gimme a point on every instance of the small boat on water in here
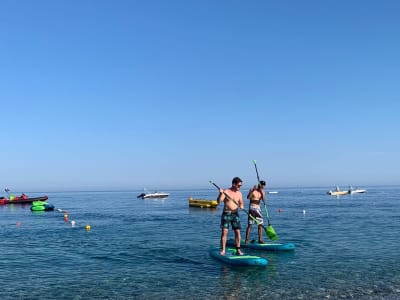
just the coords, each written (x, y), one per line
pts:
(153, 195)
(272, 192)
(41, 206)
(356, 191)
(202, 203)
(23, 199)
(337, 192)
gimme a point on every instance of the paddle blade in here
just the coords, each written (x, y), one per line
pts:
(271, 233)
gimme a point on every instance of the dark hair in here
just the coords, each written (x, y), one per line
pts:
(262, 182)
(236, 180)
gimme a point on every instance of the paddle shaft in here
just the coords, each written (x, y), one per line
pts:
(255, 165)
(258, 179)
(234, 201)
(265, 205)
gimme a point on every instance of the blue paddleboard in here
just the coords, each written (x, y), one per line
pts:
(231, 258)
(265, 247)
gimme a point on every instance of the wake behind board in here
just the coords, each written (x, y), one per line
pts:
(265, 247)
(231, 258)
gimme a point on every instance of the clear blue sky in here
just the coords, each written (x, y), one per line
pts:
(109, 95)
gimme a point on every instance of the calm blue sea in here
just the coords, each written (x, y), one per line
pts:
(347, 247)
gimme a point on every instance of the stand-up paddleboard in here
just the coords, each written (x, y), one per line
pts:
(231, 258)
(265, 247)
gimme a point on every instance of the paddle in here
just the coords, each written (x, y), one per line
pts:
(230, 199)
(270, 230)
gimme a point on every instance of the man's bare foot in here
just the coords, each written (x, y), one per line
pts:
(261, 242)
(222, 253)
(246, 241)
(238, 252)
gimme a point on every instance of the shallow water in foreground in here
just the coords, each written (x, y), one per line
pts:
(347, 247)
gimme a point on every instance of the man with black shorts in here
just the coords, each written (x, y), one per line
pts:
(230, 213)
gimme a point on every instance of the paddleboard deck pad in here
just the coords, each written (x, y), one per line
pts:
(265, 247)
(231, 258)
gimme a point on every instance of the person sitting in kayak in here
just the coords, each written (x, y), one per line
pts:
(255, 195)
(23, 196)
(230, 213)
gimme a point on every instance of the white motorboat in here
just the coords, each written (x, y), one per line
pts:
(356, 191)
(153, 195)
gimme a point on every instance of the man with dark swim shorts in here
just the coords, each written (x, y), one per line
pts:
(230, 215)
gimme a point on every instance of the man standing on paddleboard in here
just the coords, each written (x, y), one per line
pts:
(255, 195)
(230, 213)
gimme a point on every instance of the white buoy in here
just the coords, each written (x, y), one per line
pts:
(304, 211)
(72, 223)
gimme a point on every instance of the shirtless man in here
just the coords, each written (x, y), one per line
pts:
(255, 195)
(230, 213)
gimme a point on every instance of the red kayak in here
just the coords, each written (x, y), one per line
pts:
(21, 199)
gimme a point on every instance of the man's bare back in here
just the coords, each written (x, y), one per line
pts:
(255, 196)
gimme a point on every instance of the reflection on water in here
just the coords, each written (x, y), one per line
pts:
(203, 210)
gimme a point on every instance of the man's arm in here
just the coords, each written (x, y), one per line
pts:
(248, 195)
(263, 195)
(251, 191)
(221, 196)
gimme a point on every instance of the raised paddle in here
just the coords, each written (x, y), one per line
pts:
(230, 199)
(270, 230)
